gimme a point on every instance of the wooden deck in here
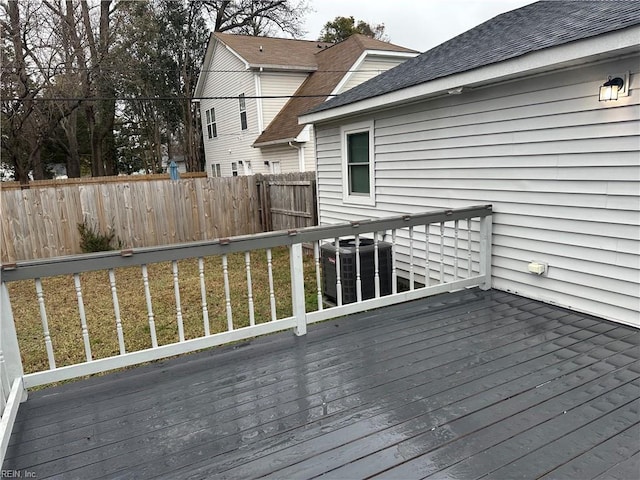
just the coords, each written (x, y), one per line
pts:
(462, 385)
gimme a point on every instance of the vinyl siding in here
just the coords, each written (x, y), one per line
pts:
(233, 144)
(277, 84)
(288, 156)
(561, 169)
(369, 68)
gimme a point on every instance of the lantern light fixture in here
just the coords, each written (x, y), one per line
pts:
(611, 88)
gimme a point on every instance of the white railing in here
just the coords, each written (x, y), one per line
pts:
(378, 262)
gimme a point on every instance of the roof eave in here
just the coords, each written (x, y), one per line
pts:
(205, 63)
(534, 62)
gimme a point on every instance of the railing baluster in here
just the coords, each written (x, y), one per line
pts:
(5, 383)
(394, 273)
(45, 324)
(247, 262)
(203, 295)
(455, 250)
(272, 295)
(176, 290)
(445, 221)
(338, 279)
(316, 259)
(411, 272)
(427, 248)
(227, 293)
(358, 278)
(83, 317)
(147, 294)
(376, 266)
(469, 258)
(441, 252)
(116, 310)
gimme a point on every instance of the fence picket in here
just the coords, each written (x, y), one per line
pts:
(41, 220)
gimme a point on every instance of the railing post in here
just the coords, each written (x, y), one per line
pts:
(485, 251)
(297, 289)
(9, 348)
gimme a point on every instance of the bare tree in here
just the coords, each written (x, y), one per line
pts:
(258, 17)
(30, 54)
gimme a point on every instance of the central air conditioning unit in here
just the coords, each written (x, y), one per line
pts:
(348, 269)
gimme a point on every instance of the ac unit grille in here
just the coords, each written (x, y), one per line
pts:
(348, 269)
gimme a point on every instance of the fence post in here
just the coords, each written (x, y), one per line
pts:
(485, 251)
(297, 289)
(11, 367)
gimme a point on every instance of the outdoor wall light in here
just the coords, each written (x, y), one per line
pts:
(611, 88)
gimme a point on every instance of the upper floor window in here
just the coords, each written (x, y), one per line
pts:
(212, 130)
(358, 163)
(243, 111)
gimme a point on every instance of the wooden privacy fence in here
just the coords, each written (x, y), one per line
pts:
(288, 201)
(41, 222)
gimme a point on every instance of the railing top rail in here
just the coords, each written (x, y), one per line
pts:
(49, 267)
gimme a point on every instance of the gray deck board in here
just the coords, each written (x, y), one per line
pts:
(461, 385)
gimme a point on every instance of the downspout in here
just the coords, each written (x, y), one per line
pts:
(258, 87)
(300, 155)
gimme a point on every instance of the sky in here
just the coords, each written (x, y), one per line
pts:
(417, 24)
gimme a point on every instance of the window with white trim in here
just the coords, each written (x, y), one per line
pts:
(358, 163)
(234, 169)
(216, 170)
(243, 111)
(212, 129)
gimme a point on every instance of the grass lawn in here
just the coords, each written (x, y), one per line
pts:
(64, 318)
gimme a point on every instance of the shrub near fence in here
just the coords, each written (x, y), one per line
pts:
(41, 222)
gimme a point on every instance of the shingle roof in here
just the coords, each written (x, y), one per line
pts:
(534, 27)
(332, 63)
(274, 52)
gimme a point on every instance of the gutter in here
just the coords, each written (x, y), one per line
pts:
(266, 66)
(540, 61)
(274, 142)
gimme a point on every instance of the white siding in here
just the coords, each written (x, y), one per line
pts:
(369, 68)
(229, 78)
(561, 169)
(278, 84)
(286, 155)
(289, 157)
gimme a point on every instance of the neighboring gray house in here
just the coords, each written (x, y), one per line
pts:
(508, 113)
